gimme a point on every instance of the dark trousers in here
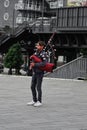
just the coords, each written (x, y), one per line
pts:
(36, 84)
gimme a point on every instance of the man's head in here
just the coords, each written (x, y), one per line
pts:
(40, 45)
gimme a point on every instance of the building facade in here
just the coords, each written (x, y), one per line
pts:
(29, 10)
(14, 12)
(8, 13)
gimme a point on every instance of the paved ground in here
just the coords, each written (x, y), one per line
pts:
(64, 105)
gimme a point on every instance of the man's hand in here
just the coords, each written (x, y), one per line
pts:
(31, 65)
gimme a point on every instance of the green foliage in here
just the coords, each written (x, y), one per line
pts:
(84, 51)
(13, 58)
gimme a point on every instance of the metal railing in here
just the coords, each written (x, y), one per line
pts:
(20, 29)
(14, 33)
(3, 38)
(72, 70)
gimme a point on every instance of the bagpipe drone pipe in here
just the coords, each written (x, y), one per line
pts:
(49, 66)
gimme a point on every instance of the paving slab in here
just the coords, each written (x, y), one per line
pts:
(64, 104)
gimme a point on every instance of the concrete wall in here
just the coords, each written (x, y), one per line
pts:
(6, 12)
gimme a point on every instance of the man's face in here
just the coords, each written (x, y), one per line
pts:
(39, 47)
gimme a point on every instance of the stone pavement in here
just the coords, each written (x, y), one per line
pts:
(64, 105)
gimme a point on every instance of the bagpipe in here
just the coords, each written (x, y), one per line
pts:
(49, 66)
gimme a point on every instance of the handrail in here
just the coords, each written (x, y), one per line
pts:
(14, 32)
(71, 70)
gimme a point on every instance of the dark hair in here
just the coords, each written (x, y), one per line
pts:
(41, 43)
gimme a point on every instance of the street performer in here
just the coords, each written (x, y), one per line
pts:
(37, 74)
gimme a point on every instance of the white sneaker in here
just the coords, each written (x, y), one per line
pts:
(31, 103)
(37, 104)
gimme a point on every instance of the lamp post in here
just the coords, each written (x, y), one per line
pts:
(13, 24)
(42, 13)
(57, 14)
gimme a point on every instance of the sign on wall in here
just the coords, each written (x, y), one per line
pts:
(56, 4)
(76, 2)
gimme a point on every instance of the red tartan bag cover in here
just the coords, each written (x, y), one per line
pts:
(48, 67)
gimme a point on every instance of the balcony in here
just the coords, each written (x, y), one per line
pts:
(30, 6)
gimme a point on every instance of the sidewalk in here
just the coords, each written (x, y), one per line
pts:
(64, 105)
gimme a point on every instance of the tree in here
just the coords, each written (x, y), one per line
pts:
(13, 59)
(84, 52)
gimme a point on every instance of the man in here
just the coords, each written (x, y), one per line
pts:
(37, 75)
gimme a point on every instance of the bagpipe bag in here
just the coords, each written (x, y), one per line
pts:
(48, 67)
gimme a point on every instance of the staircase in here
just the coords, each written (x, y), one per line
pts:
(75, 69)
(15, 33)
